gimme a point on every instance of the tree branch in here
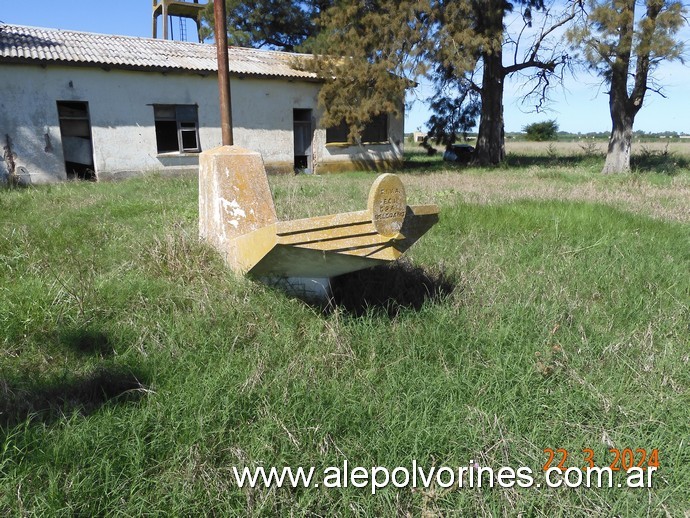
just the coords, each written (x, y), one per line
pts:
(542, 65)
(643, 57)
(545, 34)
(533, 60)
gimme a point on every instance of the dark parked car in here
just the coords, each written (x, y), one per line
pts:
(460, 153)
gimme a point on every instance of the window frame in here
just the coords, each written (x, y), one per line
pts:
(378, 126)
(183, 119)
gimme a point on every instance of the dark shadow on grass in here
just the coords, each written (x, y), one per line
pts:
(389, 289)
(87, 341)
(643, 160)
(662, 162)
(428, 165)
(525, 161)
(433, 164)
(646, 161)
(51, 401)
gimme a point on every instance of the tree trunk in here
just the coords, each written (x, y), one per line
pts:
(491, 138)
(622, 109)
(620, 144)
(622, 118)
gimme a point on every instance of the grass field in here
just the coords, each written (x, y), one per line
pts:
(549, 308)
(671, 148)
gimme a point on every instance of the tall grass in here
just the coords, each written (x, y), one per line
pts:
(136, 370)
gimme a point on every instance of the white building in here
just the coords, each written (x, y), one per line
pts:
(83, 105)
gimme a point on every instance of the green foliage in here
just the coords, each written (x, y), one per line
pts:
(274, 24)
(542, 131)
(136, 371)
(381, 47)
(624, 46)
(617, 30)
(453, 116)
(387, 45)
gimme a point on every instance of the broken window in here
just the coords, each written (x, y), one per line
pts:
(375, 131)
(177, 128)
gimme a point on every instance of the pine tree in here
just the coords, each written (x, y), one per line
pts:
(275, 24)
(624, 47)
(384, 46)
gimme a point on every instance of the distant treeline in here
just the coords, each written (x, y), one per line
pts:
(595, 135)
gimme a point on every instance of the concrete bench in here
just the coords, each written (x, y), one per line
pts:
(237, 216)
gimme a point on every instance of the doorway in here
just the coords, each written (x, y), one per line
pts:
(303, 132)
(77, 147)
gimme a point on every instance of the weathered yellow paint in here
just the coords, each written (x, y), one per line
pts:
(280, 168)
(388, 205)
(234, 196)
(237, 216)
(334, 166)
(354, 164)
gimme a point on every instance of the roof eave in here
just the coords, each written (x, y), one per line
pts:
(139, 68)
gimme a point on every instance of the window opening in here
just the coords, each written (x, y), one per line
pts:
(375, 131)
(177, 128)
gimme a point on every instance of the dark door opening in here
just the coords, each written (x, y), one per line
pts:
(75, 131)
(302, 129)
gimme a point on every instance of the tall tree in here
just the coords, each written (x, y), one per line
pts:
(275, 24)
(457, 44)
(624, 46)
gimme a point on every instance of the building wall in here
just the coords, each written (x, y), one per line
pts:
(122, 120)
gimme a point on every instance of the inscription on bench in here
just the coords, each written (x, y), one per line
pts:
(388, 205)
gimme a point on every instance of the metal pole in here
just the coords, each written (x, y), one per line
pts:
(223, 71)
(165, 20)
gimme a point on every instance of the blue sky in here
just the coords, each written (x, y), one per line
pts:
(581, 105)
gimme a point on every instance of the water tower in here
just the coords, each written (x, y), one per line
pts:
(170, 9)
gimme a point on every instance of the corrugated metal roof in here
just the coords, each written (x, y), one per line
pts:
(40, 45)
